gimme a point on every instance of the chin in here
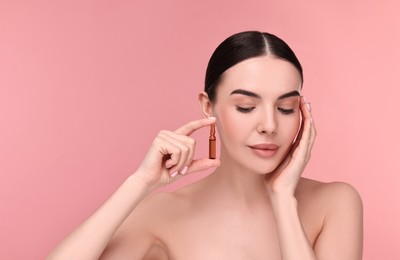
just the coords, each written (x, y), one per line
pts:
(265, 166)
(268, 169)
(262, 167)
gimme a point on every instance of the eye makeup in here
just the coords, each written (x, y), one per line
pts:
(244, 109)
(212, 142)
(286, 111)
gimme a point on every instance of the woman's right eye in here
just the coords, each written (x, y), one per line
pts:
(244, 109)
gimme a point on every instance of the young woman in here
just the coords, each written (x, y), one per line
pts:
(255, 205)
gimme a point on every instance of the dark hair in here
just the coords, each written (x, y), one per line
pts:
(242, 46)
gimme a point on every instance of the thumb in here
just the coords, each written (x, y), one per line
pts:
(203, 164)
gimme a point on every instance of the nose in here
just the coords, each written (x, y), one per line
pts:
(267, 123)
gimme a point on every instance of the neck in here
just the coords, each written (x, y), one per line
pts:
(238, 182)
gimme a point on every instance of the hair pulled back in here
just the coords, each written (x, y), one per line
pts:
(242, 46)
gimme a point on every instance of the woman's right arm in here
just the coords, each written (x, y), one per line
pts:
(89, 239)
(169, 154)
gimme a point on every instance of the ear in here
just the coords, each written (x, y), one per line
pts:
(205, 104)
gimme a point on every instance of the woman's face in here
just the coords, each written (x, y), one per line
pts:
(257, 110)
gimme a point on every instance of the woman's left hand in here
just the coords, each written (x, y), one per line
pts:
(284, 179)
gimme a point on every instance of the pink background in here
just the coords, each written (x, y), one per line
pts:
(86, 85)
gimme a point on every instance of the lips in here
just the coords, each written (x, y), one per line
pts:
(265, 146)
(265, 150)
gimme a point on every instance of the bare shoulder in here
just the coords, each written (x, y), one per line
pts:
(145, 228)
(165, 206)
(160, 205)
(336, 186)
(171, 207)
(339, 206)
(332, 194)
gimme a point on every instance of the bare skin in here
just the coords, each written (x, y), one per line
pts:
(253, 206)
(207, 220)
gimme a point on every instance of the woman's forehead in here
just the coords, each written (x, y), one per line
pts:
(263, 75)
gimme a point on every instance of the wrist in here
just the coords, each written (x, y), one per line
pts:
(140, 183)
(282, 198)
(280, 192)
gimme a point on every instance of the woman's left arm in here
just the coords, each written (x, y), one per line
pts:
(341, 236)
(342, 233)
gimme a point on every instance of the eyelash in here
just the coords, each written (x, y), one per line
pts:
(286, 111)
(246, 110)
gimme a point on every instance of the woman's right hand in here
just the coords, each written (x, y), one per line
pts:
(171, 155)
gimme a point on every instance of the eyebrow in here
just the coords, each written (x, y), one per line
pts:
(255, 95)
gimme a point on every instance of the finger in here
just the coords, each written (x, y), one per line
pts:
(192, 126)
(306, 133)
(299, 135)
(304, 139)
(313, 136)
(306, 110)
(176, 164)
(169, 149)
(203, 164)
(314, 133)
(188, 141)
(307, 114)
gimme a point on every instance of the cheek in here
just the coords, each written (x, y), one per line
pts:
(291, 127)
(230, 126)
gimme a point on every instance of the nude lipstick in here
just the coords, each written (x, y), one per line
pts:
(211, 142)
(265, 150)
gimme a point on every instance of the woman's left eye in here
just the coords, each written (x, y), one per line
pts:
(286, 111)
(244, 109)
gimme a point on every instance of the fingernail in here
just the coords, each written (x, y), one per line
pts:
(212, 117)
(184, 170)
(304, 98)
(174, 174)
(308, 106)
